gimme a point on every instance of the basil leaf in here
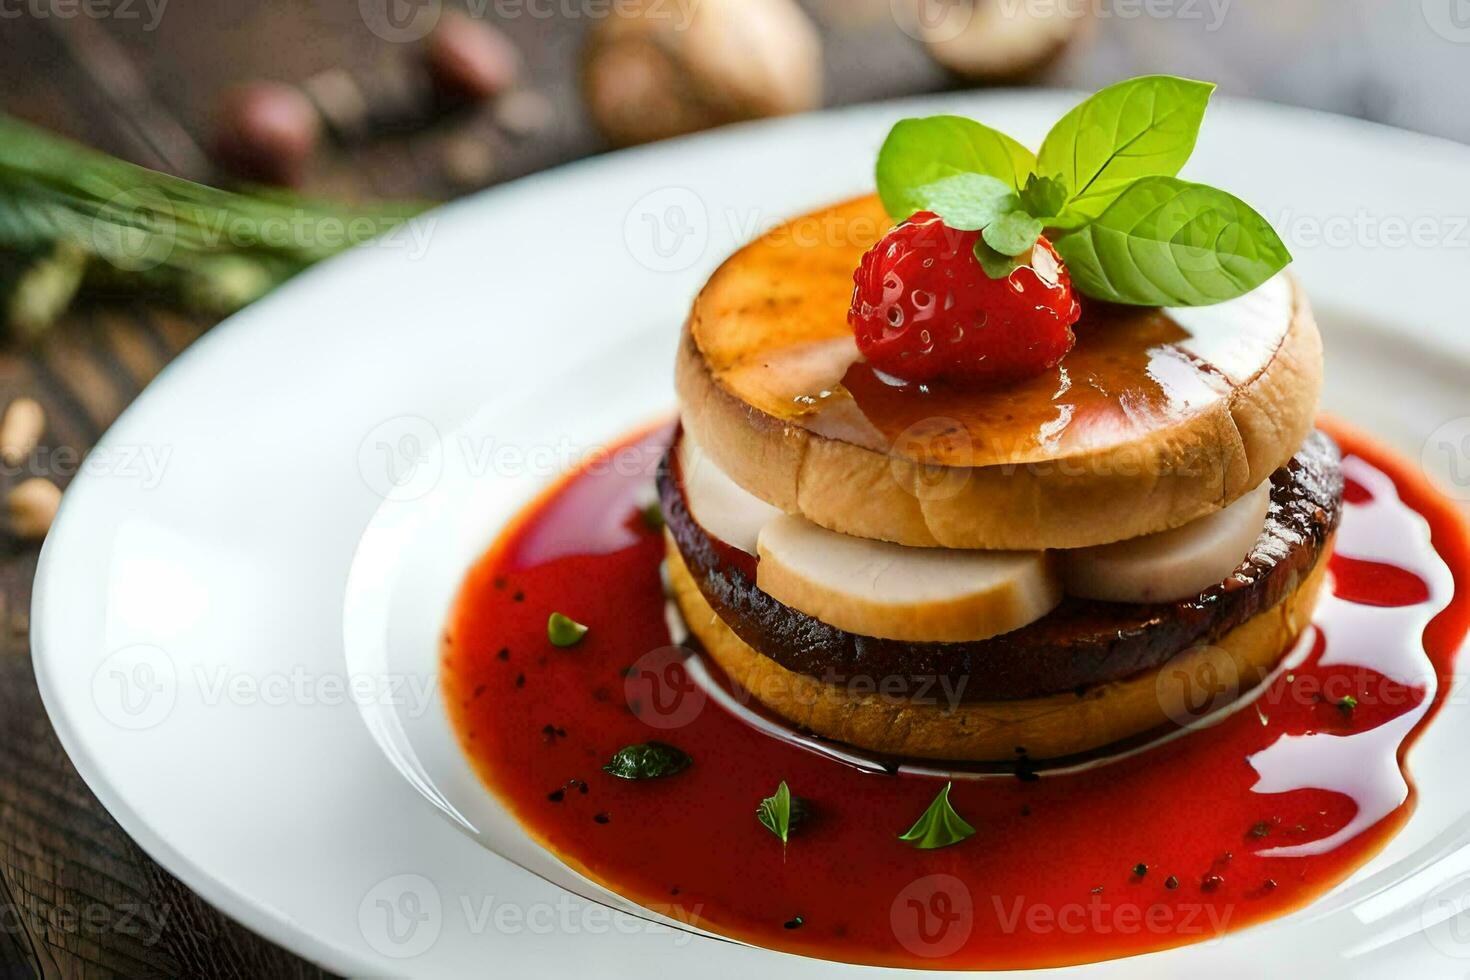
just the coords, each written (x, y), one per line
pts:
(1013, 234)
(1167, 242)
(920, 152)
(781, 812)
(648, 761)
(1044, 197)
(967, 202)
(940, 826)
(996, 265)
(1143, 127)
(563, 631)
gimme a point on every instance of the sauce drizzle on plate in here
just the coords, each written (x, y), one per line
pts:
(1230, 824)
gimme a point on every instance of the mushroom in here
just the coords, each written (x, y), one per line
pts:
(662, 68)
(994, 40)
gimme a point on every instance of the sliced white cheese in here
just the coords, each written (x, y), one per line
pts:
(1170, 565)
(875, 588)
(718, 503)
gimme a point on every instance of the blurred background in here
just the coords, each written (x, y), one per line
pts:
(150, 79)
(336, 109)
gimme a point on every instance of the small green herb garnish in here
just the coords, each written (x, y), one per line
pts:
(940, 826)
(1347, 704)
(1102, 188)
(653, 516)
(563, 631)
(1140, 869)
(650, 760)
(781, 812)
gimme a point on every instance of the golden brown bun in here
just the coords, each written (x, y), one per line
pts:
(1045, 728)
(1145, 426)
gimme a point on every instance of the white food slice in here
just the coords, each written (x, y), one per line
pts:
(1170, 565)
(875, 588)
(718, 503)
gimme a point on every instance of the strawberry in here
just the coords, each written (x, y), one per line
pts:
(924, 309)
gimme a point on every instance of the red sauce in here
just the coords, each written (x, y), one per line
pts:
(1049, 877)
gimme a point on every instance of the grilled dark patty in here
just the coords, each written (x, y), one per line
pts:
(1079, 644)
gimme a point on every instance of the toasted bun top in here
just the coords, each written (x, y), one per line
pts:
(772, 327)
(1155, 418)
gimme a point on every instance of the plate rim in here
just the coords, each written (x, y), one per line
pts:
(49, 587)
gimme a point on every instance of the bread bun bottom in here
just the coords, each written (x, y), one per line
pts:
(1191, 684)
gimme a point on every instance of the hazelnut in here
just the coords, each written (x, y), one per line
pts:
(995, 41)
(32, 506)
(663, 68)
(266, 131)
(20, 430)
(469, 60)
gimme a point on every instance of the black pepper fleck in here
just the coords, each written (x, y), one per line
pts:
(602, 818)
(1171, 882)
(795, 923)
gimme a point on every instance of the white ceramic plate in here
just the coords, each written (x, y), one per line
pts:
(188, 621)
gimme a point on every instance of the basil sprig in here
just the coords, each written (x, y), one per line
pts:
(650, 760)
(1102, 188)
(939, 826)
(782, 811)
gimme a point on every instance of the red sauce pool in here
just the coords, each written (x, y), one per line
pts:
(1049, 877)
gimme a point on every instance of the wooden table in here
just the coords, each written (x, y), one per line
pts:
(77, 897)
